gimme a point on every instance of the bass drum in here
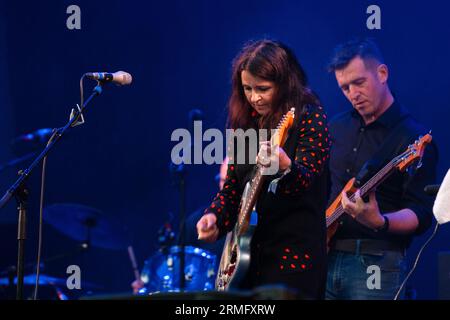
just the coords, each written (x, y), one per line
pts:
(161, 271)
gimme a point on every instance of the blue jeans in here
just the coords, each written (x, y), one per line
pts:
(354, 276)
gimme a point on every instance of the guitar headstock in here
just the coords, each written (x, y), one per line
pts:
(414, 152)
(286, 122)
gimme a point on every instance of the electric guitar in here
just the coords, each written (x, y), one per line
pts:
(236, 251)
(413, 154)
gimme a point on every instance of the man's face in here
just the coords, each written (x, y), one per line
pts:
(364, 87)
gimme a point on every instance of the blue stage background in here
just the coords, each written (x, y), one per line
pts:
(179, 53)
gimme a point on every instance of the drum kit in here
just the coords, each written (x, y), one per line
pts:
(92, 228)
(160, 272)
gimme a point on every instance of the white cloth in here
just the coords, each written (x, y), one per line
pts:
(441, 208)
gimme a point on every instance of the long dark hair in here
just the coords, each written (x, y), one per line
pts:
(271, 61)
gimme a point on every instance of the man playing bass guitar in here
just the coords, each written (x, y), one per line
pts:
(374, 232)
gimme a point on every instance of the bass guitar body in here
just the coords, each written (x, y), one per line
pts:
(235, 259)
(332, 228)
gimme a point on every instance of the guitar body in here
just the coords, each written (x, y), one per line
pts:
(235, 260)
(332, 228)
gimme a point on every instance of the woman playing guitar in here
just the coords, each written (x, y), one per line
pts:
(288, 246)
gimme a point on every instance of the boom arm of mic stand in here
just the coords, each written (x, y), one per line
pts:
(60, 132)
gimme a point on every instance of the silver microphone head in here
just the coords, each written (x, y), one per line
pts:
(123, 78)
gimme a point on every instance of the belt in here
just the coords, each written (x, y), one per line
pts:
(366, 246)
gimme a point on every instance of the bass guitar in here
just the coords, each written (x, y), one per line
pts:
(413, 155)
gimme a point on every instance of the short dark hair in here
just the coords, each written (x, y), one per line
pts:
(345, 52)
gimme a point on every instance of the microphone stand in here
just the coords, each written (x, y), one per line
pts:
(180, 172)
(182, 229)
(20, 192)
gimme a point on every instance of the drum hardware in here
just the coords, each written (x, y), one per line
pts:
(88, 225)
(46, 280)
(178, 172)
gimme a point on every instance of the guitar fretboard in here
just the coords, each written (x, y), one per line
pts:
(278, 138)
(255, 186)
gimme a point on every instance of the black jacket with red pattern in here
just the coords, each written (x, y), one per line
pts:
(289, 244)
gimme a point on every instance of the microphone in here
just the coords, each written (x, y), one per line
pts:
(432, 189)
(40, 135)
(120, 77)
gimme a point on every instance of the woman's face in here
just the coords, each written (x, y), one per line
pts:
(259, 92)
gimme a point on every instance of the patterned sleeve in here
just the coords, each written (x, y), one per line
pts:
(311, 154)
(226, 203)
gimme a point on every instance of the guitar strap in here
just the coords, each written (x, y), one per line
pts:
(391, 147)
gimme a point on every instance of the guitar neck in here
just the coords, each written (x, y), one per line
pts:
(368, 187)
(255, 187)
(378, 178)
(258, 178)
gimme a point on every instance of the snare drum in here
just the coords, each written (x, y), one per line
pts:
(161, 271)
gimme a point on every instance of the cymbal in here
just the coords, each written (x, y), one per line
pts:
(45, 280)
(87, 224)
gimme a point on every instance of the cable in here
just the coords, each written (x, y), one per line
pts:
(41, 205)
(80, 107)
(415, 263)
(81, 93)
(41, 215)
(38, 263)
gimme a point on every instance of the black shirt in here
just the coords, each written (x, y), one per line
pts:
(355, 143)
